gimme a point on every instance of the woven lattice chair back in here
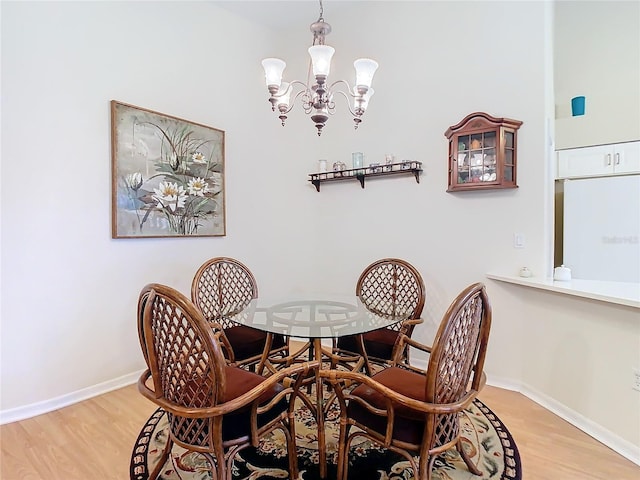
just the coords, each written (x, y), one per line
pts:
(415, 411)
(142, 303)
(389, 286)
(222, 286)
(457, 359)
(392, 286)
(185, 359)
(214, 407)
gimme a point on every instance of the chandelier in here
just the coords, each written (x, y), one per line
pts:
(318, 98)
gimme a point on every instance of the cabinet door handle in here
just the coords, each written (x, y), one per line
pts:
(618, 158)
(608, 159)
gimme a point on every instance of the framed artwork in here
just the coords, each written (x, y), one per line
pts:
(167, 175)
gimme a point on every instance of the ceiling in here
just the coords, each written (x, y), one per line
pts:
(278, 14)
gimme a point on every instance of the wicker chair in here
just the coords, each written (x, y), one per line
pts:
(386, 286)
(214, 408)
(223, 286)
(413, 411)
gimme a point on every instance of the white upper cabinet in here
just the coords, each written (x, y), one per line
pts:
(601, 160)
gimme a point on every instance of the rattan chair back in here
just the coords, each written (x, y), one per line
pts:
(413, 411)
(392, 286)
(185, 359)
(223, 286)
(213, 408)
(142, 303)
(457, 359)
(389, 286)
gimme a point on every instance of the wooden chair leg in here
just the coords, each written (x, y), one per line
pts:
(343, 451)
(290, 436)
(470, 465)
(364, 356)
(426, 466)
(166, 451)
(220, 463)
(264, 359)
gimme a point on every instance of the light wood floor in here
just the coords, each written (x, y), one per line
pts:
(92, 440)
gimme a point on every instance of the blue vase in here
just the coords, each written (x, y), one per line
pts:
(577, 106)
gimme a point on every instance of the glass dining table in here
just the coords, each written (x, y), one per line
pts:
(314, 318)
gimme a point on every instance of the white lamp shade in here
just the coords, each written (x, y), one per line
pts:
(284, 94)
(273, 68)
(321, 59)
(365, 98)
(365, 68)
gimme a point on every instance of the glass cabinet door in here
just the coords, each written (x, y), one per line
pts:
(509, 157)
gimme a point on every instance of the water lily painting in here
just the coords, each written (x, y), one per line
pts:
(167, 175)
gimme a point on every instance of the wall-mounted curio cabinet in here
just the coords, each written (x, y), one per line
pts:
(482, 153)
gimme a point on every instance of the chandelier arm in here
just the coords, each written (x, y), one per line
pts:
(288, 91)
(348, 102)
(290, 88)
(346, 84)
(295, 98)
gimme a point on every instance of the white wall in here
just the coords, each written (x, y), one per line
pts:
(586, 364)
(69, 291)
(597, 55)
(437, 79)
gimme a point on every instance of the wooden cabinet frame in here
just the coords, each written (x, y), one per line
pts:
(482, 153)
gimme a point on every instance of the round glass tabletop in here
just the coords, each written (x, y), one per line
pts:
(318, 317)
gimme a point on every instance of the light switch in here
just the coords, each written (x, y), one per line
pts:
(518, 240)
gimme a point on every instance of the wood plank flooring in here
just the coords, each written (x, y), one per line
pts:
(551, 448)
(92, 440)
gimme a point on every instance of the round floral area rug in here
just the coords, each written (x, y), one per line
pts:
(485, 438)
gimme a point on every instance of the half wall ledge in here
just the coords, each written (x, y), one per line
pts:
(621, 293)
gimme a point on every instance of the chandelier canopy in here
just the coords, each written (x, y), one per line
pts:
(318, 98)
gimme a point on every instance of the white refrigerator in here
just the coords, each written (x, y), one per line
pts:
(601, 233)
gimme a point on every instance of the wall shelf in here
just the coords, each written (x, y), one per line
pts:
(408, 167)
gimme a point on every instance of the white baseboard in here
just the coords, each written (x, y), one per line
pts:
(604, 436)
(46, 406)
(504, 383)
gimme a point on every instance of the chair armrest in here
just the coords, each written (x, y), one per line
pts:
(413, 321)
(218, 332)
(301, 369)
(338, 378)
(402, 344)
(145, 389)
